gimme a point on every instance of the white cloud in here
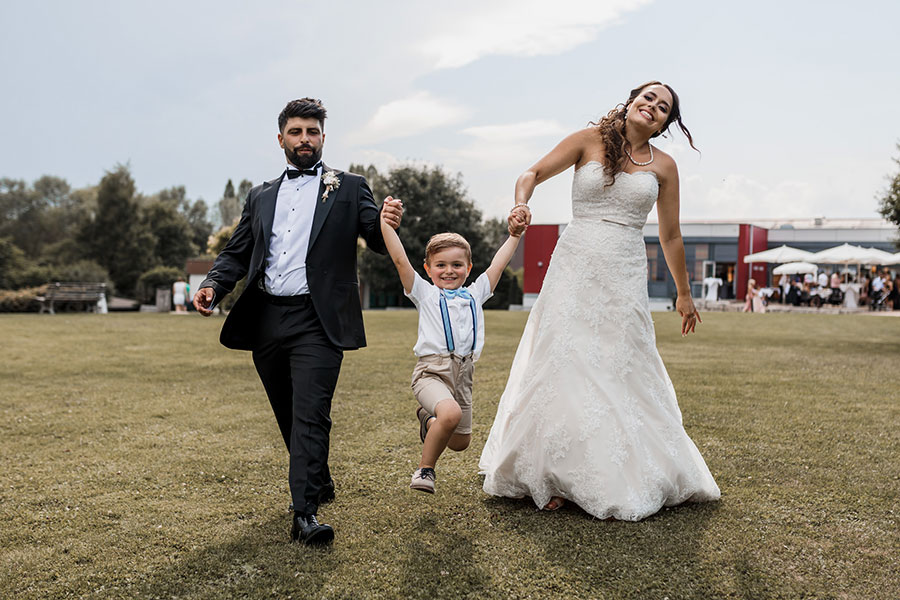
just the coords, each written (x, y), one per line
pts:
(510, 145)
(741, 197)
(520, 28)
(383, 161)
(408, 116)
(515, 132)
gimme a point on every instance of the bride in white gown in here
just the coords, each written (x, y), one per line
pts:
(589, 414)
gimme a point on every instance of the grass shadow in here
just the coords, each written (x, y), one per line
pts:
(441, 562)
(665, 555)
(260, 564)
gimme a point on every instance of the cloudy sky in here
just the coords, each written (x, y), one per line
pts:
(793, 104)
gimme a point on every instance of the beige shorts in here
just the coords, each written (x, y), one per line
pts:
(437, 378)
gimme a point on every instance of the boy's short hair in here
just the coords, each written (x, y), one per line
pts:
(442, 241)
(304, 108)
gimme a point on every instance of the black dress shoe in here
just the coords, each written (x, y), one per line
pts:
(306, 529)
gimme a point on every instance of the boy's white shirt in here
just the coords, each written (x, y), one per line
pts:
(427, 298)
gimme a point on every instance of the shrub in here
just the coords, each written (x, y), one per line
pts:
(82, 270)
(17, 271)
(21, 300)
(157, 277)
(32, 275)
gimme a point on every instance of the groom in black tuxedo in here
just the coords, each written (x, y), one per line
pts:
(296, 243)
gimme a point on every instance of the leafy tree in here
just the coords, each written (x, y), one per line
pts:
(12, 262)
(890, 201)
(201, 227)
(243, 189)
(433, 202)
(172, 234)
(115, 236)
(229, 205)
(217, 240)
(16, 206)
(194, 214)
(53, 192)
(13, 199)
(39, 216)
(24, 211)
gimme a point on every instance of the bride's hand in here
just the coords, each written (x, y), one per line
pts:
(689, 315)
(519, 217)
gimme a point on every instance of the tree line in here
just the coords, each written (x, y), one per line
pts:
(890, 198)
(111, 232)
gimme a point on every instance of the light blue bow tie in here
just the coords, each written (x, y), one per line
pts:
(445, 316)
(461, 292)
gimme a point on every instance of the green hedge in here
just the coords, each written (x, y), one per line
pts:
(157, 277)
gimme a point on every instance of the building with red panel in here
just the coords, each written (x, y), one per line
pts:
(716, 249)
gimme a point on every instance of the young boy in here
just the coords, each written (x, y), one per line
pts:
(451, 337)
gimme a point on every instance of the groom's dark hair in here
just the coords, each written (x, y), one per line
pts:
(304, 108)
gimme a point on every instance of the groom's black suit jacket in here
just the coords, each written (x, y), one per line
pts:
(347, 213)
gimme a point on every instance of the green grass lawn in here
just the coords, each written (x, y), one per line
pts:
(140, 460)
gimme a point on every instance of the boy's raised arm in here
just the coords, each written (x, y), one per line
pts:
(502, 258)
(398, 254)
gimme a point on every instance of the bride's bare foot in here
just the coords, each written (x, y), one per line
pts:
(555, 503)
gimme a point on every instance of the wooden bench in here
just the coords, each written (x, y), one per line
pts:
(85, 294)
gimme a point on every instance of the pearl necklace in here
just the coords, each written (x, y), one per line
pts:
(641, 164)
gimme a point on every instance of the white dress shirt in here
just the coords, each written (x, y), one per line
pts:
(427, 298)
(291, 228)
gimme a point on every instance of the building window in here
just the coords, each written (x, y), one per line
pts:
(700, 253)
(654, 264)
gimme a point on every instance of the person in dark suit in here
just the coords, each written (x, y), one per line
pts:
(296, 243)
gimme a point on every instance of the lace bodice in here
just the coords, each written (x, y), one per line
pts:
(627, 201)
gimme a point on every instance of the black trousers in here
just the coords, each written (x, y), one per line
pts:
(299, 369)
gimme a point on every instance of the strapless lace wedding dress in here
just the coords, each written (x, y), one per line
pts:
(589, 412)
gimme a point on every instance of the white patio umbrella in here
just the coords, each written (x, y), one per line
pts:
(794, 268)
(879, 257)
(896, 259)
(845, 254)
(781, 254)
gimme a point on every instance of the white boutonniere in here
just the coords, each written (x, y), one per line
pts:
(331, 182)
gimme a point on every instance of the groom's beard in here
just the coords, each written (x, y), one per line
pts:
(303, 161)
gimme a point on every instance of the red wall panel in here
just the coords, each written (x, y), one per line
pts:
(751, 239)
(539, 244)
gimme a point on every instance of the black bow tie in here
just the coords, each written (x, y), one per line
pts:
(295, 173)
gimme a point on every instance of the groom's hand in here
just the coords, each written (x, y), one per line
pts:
(392, 211)
(203, 299)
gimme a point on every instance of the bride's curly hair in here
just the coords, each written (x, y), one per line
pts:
(612, 130)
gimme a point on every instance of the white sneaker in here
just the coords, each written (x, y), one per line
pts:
(423, 480)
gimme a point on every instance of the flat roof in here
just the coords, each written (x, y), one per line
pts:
(805, 223)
